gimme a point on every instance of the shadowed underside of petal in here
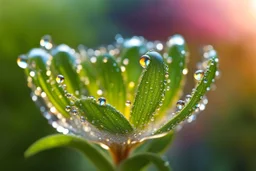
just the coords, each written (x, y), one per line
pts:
(150, 91)
(202, 87)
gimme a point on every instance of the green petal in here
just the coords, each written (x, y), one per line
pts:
(176, 61)
(53, 141)
(37, 59)
(104, 116)
(202, 86)
(88, 75)
(111, 80)
(139, 161)
(157, 145)
(150, 91)
(130, 60)
(63, 62)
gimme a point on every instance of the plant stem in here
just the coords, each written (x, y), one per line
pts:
(120, 152)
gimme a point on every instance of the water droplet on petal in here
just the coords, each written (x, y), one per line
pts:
(185, 71)
(188, 97)
(126, 61)
(128, 103)
(60, 79)
(198, 75)
(102, 101)
(22, 61)
(74, 112)
(180, 104)
(175, 40)
(169, 60)
(144, 61)
(68, 108)
(46, 42)
(99, 92)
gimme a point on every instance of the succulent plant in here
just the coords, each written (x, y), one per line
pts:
(123, 97)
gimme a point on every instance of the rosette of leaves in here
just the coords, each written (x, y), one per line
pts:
(121, 100)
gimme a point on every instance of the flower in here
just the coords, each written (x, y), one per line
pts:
(119, 95)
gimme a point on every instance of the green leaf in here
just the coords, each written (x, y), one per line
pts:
(157, 145)
(53, 141)
(150, 91)
(139, 161)
(176, 61)
(38, 58)
(104, 117)
(200, 90)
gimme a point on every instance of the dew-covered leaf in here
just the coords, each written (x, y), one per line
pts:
(103, 116)
(139, 161)
(37, 60)
(176, 60)
(54, 141)
(157, 145)
(202, 87)
(150, 91)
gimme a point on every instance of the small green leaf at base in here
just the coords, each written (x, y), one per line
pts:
(139, 161)
(54, 141)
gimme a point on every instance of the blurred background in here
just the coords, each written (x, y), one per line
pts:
(223, 138)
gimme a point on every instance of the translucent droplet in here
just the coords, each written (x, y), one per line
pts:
(144, 61)
(180, 104)
(32, 73)
(188, 97)
(22, 61)
(159, 46)
(102, 101)
(169, 60)
(99, 92)
(131, 84)
(128, 103)
(93, 59)
(175, 40)
(105, 60)
(185, 71)
(68, 108)
(74, 112)
(198, 75)
(46, 42)
(126, 61)
(69, 95)
(60, 79)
